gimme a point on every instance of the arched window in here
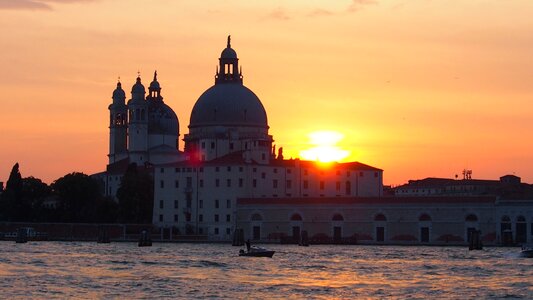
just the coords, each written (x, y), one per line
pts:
(257, 217)
(506, 219)
(521, 219)
(380, 217)
(338, 217)
(296, 217)
(424, 217)
(471, 218)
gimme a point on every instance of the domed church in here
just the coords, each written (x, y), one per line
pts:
(228, 156)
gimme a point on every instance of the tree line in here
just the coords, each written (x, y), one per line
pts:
(77, 198)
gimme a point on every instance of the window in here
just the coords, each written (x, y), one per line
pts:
(289, 171)
(254, 170)
(275, 170)
(263, 156)
(228, 182)
(162, 184)
(263, 175)
(240, 169)
(176, 203)
(228, 203)
(348, 188)
(275, 183)
(347, 173)
(228, 218)
(161, 203)
(177, 170)
(175, 218)
(216, 230)
(306, 184)
(189, 182)
(201, 204)
(212, 145)
(217, 182)
(203, 145)
(241, 182)
(305, 171)
(217, 169)
(228, 231)
(217, 203)
(322, 185)
(376, 174)
(289, 184)
(338, 185)
(228, 168)
(201, 183)
(162, 170)
(361, 174)
(254, 183)
(160, 218)
(188, 217)
(200, 218)
(177, 184)
(216, 218)
(189, 201)
(231, 146)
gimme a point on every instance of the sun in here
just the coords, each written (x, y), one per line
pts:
(324, 147)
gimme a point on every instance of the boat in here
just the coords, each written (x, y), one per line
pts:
(257, 252)
(527, 251)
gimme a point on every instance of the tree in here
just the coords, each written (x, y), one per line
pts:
(11, 205)
(78, 194)
(34, 192)
(135, 196)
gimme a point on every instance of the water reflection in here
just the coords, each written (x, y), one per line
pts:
(90, 270)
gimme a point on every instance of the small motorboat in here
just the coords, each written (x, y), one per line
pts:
(257, 252)
(527, 251)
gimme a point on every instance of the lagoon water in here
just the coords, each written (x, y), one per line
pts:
(123, 270)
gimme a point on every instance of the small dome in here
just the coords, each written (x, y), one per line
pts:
(162, 119)
(228, 105)
(154, 85)
(138, 88)
(228, 53)
(119, 93)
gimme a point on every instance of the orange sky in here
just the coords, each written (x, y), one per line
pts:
(418, 88)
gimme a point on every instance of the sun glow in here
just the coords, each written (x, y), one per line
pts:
(325, 149)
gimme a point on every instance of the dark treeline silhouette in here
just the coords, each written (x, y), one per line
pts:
(76, 198)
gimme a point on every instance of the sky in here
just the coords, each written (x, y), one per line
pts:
(418, 88)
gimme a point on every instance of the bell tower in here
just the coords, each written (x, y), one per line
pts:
(138, 124)
(118, 126)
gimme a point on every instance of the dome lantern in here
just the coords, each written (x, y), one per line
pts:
(229, 66)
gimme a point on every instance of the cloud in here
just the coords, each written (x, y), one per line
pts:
(319, 12)
(357, 5)
(33, 4)
(279, 14)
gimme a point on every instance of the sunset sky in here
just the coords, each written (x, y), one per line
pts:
(418, 88)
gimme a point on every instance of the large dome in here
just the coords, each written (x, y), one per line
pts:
(162, 119)
(230, 104)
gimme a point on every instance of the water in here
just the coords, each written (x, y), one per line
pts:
(123, 270)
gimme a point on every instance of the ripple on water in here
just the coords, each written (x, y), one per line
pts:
(117, 270)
